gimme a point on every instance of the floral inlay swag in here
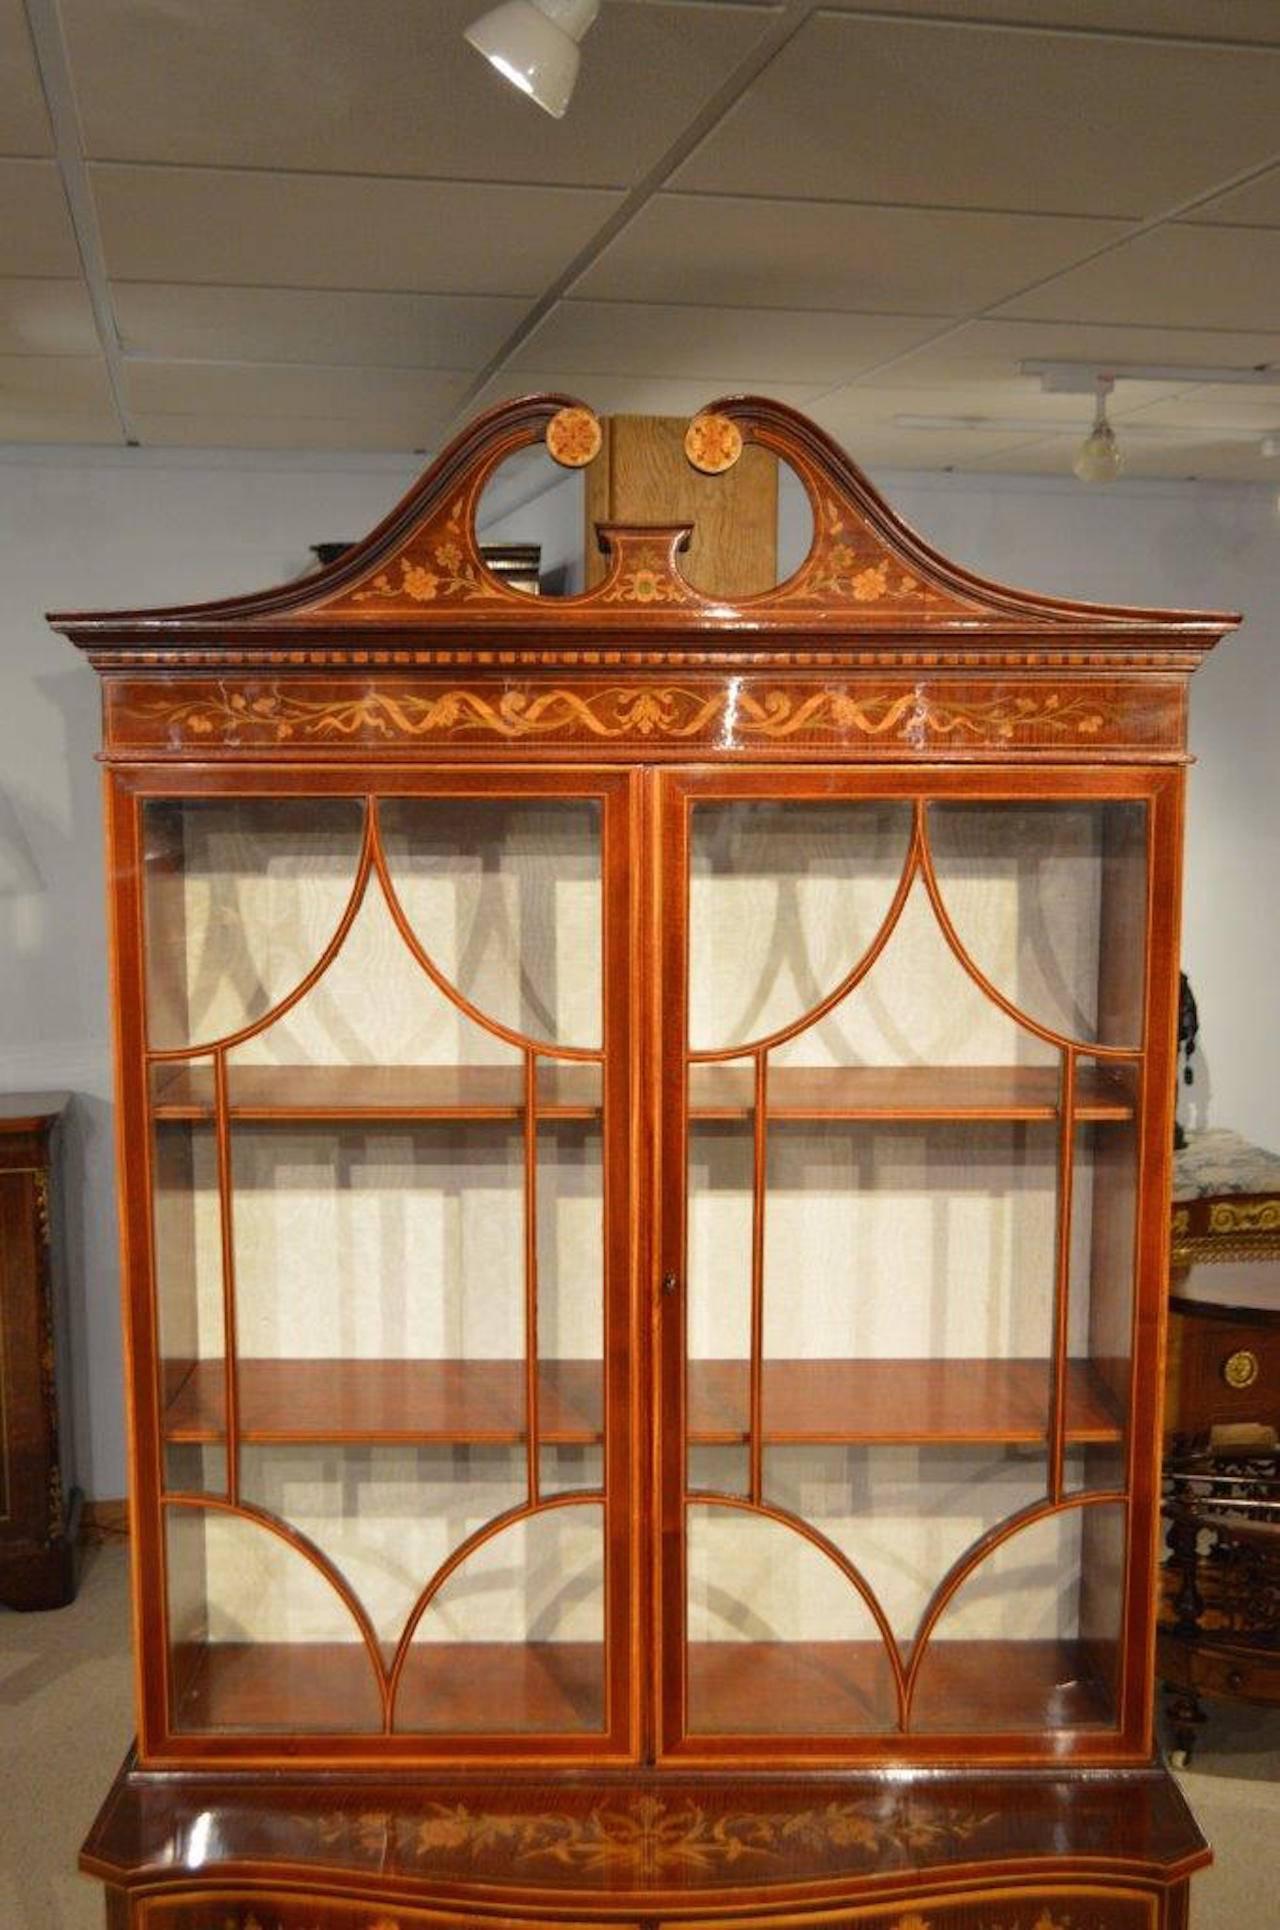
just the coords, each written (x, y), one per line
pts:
(647, 1836)
(444, 569)
(276, 715)
(852, 564)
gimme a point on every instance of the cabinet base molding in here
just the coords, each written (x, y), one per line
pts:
(934, 1851)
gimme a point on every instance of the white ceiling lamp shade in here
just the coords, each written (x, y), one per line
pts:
(1099, 459)
(534, 45)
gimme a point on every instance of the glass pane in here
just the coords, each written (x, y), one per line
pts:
(398, 1242)
(514, 1640)
(1049, 900)
(259, 1638)
(1103, 1230)
(780, 1641)
(570, 1248)
(1030, 1640)
(919, 1013)
(187, 1258)
(242, 895)
(784, 899)
(385, 1516)
(915, 1243)
(718, 1300)
(505, 897)
(904, 1515)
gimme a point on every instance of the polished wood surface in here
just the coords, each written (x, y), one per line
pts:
(663, 1844)
(878, 669)
(185, 1091)
(39, 1518)
(423, 1402)
(642, 475)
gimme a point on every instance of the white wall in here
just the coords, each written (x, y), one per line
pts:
(95, 528)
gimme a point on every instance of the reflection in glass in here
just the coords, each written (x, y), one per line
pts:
(259, 1638)
(400, 1241)
(1049, 900)
(505, 897)
(514, 1640)
(1030, 1640)
(904, 1515)
(779, 1638)
(241, 898)
(187, 1268)
(784, 898)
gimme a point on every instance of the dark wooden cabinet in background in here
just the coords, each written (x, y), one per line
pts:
(646, 1125)
(39, 1519)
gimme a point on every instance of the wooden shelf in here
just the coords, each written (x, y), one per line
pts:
(394, 1402)
(717, 1092)
(735, 1688)
(906, 1092)
(817, 1402)
(845, 1688)
(265, 1093)
(447, 1687)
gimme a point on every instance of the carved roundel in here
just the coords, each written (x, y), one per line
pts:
(573, 437)
(712, 443)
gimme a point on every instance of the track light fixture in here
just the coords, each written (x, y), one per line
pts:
(534, 45)
(1099, 459)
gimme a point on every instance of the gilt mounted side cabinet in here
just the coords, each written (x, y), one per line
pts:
(645, 1130)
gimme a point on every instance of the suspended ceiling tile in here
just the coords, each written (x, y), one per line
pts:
(987, 351)
(1238, 20)
(24, 118)
(729, 251)
(884, 447)
(69, 384)
(957, 116)
(217, 430)
(1257, 205)
(1215, 406)
(46, 317)
(167, 319)
(36, 236)
(339, 231)
(625, 394)
(387, 89)
(57, 425)
(1181, 275)
(414, 396)
(724, 346)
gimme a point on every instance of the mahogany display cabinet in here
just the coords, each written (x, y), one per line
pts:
(645, 1126)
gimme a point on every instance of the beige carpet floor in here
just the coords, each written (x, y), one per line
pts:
(65, 1722)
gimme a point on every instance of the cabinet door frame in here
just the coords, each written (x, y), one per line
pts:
(127, 790)
(1161, 788)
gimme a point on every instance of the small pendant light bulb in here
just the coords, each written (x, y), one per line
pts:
(1099, 458)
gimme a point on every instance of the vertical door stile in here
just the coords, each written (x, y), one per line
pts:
(531, 1422)
(760, 1145)
(1062, 1273)
(231, 1366)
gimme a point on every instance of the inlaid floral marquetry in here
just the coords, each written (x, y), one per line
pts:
(734, 713)
(713, 443)
(647, 1837)
(574, 437)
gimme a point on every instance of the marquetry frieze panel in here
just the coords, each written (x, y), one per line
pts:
(649, 716)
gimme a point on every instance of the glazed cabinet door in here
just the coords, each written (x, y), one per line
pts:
(918, 1066)
(376, 1055)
